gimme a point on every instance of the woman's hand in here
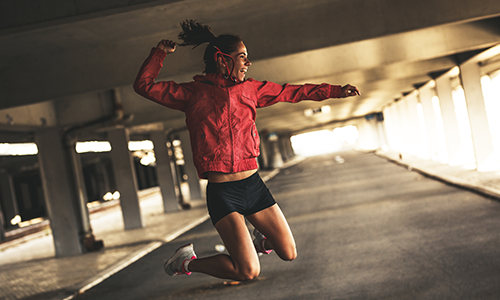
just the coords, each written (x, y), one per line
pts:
(167, 45)
(348, 91)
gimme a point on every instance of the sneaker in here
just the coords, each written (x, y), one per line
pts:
(259, 242)
(175, 265)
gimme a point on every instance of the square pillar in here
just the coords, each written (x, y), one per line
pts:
(276, 158)
(2, 225)
(368, 134)
(401, 116)
(264, 152)
(125, 177)
(450, 123)
(480, 129)
(8, 197)
(189, 168)
(413, 125)
(164, 172)
(426, 93)
(390, 126)
(59, 191)
(287, 144)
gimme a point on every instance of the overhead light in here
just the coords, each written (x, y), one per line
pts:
(93, 146)
(325, 109)
(140, 145)
(18, 149)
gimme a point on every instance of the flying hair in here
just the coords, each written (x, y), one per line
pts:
(195, 33)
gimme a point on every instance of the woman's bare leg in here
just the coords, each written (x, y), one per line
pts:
(242, 263)
(272, 223)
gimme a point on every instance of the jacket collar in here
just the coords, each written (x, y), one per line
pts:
(216, 79)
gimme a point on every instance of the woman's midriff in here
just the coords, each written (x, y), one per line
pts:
(218, 177)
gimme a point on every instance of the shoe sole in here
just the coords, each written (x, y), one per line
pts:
(177, 253)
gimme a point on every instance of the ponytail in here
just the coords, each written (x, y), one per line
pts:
(195, 33)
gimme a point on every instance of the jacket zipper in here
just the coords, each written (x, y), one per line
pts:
(230, 129)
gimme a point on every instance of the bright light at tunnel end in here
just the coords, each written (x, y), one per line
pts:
(324, 141)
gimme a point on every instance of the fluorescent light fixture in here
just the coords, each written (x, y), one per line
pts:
(93, 146)
(140, 145)
(18, 149)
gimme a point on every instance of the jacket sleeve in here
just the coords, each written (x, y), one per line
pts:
(167, 93)
(269, 93)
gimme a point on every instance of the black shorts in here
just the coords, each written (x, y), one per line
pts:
(246, 196)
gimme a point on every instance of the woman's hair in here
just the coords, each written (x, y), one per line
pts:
(195, 33)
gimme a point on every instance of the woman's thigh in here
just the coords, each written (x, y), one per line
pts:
(272, 223)
(236, 237)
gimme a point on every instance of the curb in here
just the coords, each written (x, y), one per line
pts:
(476, 186)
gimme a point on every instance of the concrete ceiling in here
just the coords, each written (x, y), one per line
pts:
(59, 61)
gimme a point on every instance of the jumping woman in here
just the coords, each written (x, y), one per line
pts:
(220, 109)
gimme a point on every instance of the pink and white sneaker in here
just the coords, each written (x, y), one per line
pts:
(175, 265)
(259, 242)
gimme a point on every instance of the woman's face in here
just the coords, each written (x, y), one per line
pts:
(241, 62)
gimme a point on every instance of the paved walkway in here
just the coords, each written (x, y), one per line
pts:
(487, 183)
(28, 269)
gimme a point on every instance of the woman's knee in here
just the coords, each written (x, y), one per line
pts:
(248, 273)
(288, 254)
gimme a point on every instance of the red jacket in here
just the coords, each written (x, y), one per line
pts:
(220, 114)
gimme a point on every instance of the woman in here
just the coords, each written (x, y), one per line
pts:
(220, 114)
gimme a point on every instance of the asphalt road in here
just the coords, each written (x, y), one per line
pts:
(365, 229)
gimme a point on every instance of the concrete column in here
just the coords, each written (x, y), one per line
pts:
(8, 197)
(264, 152)
(414, 134)
(389, 128)
(400, 111)
(104, 177)
(189, 168)
(2, 225)
(450, 123)
(164, 172)
(426, 94)
(282, 147)
(288, 146)
(277, 159)
(480, 129)
(368, 134)
(125, 177)
(397, 128)
(382, 137)
(59, 191)
(76, 165)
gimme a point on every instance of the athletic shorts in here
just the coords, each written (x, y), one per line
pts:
(246, 196)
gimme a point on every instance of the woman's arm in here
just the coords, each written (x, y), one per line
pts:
(269, 93)
(167, 93)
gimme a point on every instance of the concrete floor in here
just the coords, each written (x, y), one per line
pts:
(365, 229)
